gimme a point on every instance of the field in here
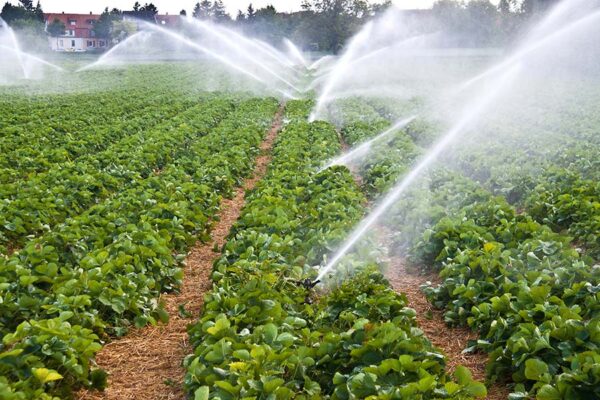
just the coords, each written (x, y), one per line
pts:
(160, 239)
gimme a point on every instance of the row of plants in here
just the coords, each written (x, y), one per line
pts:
(388, 157)
(32, 207)
(547, 166)
(101, 272)
(526, 289)
(263, 333)
(46, 139)
(570, 203)
(523, 287)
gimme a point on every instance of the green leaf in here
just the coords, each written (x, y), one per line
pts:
(536, 370)
(452, 387)
(221, 324)
(270, 332)
(45, 375)
(202, 393)
(463, 375)
(476, 389)
(548, 392)
(242, 354)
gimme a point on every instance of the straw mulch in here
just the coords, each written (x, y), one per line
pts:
(147, 363)
(451, 340)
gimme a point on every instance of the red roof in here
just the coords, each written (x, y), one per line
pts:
(82, 21)
(81, 24)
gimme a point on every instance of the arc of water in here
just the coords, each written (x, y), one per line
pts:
(364, 147)
(16, 46)
(474, 109)
(32, 57)
(215, 55)
(560, 11)
(234, 46)
(341, 66)
(259, 45)
(317, 63)
(325, 74)
(295, 51)
(194, 46)
(522, 52)
(274, 53)
(110, 52)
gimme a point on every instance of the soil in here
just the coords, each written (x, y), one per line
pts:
(450, 340)
(147, 363)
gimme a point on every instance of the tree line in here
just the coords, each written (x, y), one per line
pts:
(320, 25)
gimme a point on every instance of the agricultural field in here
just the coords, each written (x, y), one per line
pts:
(276, 227)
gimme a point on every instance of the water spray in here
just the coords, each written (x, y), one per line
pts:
(238, 49)
(472, 112)
(192, 45)
(363, 149)
(295, 52)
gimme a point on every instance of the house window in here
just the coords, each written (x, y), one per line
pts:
(93, 33)
(72, 22)
(101, 43)
(90, 43)
(72, 43)
(60, 43)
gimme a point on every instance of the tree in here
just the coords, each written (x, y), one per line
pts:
(183, 13)
(136, 6)
(27, 4)
(536, 6)
(240, 16)
(251, 13)
(203, 10)
(103, 26)
(25, 11)
(12, 13)
(334, 21)
(306, 5)
(121, 29)
(504, 7)
(38, 12)
(218, 11)
(149, 8)
(56, 29)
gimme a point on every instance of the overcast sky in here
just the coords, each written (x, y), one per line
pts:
(174, 6)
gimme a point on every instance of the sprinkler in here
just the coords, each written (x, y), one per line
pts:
(309, 285)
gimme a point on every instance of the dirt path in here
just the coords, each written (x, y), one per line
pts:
(147, 363)
(451, 340)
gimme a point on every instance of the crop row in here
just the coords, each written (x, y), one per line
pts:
(35, 206)
(263, 334)
(531, 296)
(38, 145)
(101, 271)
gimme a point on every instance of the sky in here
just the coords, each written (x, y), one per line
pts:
(174, 6)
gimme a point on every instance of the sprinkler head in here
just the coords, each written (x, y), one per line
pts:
(308, 284)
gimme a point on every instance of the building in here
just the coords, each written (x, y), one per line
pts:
(79, 35)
